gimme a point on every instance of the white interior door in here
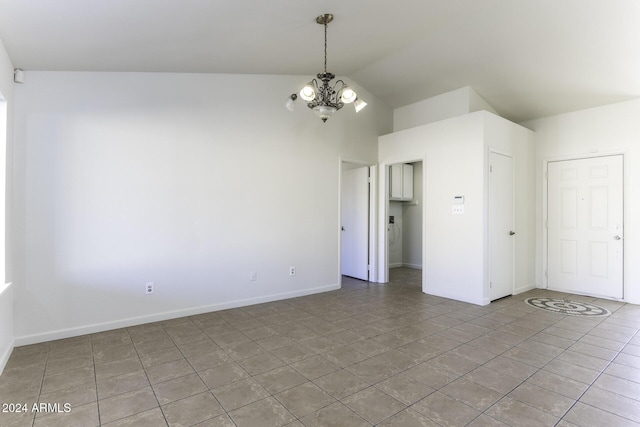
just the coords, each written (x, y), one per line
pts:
(585, 226)
(355, 223)
(501, 231)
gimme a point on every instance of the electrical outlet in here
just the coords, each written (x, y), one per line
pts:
(148, 288)
(292, 271)
(253, 276)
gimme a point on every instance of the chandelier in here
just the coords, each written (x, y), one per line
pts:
(323, 98)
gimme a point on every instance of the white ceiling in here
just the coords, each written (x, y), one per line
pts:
(527, 58)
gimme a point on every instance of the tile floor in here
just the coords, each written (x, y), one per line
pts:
(368, 354)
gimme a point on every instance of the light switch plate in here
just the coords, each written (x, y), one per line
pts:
(457, 209)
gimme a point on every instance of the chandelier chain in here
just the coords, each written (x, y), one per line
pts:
(325, 46)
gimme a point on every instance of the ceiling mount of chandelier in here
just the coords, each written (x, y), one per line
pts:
(324, 98)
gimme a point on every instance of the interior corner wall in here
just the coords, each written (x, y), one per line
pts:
(6, 292)
(510, 138)
(436, 108)
(478, 103)
(603, 130)
(190, 181)
(453, 164)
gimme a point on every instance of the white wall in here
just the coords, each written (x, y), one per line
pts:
(6, 131)
(452, 155)
(608, 129)
(440, 107)
(192, 181)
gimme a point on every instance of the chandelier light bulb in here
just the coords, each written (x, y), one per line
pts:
(308, 93)
(348, 95)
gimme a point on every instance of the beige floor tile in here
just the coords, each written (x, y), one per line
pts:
(261, 363)
(486, 421)
(516, 413)
(150, 418)
(265, 412)
(68, 378)
(431, 375)
(557, 383)
(314, 367)
(84, 415)
(240, 393)
(162, 356)
(304, 399)
(280, 379)
(408, 418)
(612, 402)
(572, 371)
(344, 356)
(472, 394)
(545, 400)
(623, 371)
(341, 384)
(120, 384)
(445, 410)
(118, 367)
(493, 379)
(405, 388)
(223, 374)
(178, 388)
(511, 367)
(168, 371)
(588, 416)
(335, 414)
(127, 404)
(75, 395)
(219, 421)
(192, 410)
(109, 354)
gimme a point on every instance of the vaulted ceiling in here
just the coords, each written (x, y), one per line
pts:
(527, 58)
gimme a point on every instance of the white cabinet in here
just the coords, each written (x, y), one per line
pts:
(401, 182)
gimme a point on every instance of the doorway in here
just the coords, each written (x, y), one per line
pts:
(404, 221)
(585, 203)
(501, 226)
(354, 220)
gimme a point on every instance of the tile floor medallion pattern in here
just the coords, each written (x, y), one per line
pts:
(367, 354)
(565, 306)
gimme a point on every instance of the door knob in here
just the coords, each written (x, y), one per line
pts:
(511, 233)
(342, 228)
(617, 238)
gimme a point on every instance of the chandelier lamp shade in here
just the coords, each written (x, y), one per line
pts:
(320, 95)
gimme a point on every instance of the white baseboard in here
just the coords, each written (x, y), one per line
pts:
(404, 264)
(133, 321)
(416, 266)
(524, 288)
(462, 298)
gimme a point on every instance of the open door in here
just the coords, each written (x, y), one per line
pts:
(355, 223)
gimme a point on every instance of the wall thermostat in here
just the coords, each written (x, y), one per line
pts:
(458, 200)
